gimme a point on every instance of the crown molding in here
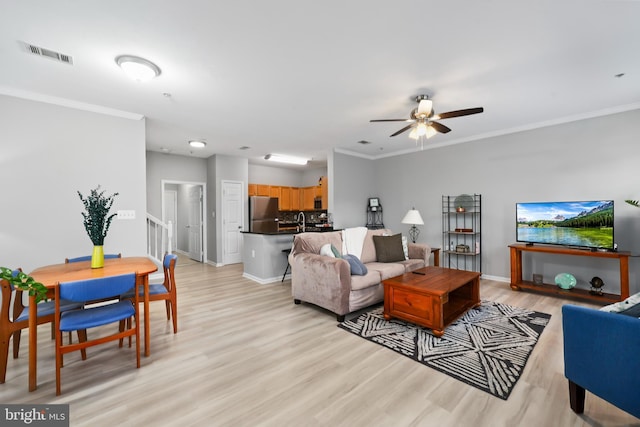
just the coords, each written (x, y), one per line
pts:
(69, 103)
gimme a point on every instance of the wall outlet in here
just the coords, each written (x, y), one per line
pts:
(126, 214)
(253, 253)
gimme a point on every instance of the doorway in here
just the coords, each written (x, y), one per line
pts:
(183, 203)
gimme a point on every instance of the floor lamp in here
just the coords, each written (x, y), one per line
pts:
(413, 217)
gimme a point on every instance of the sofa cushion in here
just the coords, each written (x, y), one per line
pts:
(372, 278)
(357, 267)
(630, 306)
(389, 248)
(412, 264)
(329, 250)
(368, 249)
(386, 269)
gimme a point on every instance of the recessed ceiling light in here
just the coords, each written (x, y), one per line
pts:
(165, 150)
(281, 158)
(197, 143)
(137, 68)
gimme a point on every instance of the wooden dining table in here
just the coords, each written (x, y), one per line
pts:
(51, 275)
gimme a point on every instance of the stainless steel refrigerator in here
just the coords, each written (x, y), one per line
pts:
(263, 214)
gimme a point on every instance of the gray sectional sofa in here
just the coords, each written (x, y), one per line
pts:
(326, 281)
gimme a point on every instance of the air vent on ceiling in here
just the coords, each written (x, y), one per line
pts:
(363, 142)
(47, 53)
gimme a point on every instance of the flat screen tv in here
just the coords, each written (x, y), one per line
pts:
(582, 224)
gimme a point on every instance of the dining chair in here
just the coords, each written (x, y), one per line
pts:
(165, 291)
(81, 291)
(88, 258)
(12, 322)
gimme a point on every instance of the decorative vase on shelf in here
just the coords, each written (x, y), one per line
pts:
(97, 257)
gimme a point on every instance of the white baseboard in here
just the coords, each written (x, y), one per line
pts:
(496, 278)
(262, 281)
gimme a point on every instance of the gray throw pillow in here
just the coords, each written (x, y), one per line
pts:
(357, 267)
(389, 248)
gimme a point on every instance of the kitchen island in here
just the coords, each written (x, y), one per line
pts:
(264, 255)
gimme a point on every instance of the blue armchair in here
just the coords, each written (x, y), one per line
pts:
(602, 355)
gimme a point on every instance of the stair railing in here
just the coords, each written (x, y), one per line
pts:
(159, 238)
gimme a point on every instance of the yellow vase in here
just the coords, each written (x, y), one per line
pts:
(97, 257)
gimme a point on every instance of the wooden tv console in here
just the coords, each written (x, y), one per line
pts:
(518, 284)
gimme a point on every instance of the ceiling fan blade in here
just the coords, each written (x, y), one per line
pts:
(404, 129)
(439, 127)
(459, 113)
(391, 120)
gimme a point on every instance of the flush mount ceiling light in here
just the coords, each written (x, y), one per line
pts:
(137, 68)
(281, 158)
(197, 143)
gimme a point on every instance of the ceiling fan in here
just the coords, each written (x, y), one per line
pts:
(423, 119)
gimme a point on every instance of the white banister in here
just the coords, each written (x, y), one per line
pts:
(159, 237)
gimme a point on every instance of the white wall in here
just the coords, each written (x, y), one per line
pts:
(47, 154)
(594, 159)
(271, 175)
(353, 182)
(170, 167)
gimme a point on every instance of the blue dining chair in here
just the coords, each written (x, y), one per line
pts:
(81, 291)
(165, 291)
(12, 322)
(88, 258)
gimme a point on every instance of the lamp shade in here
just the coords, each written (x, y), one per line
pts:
(413, 217)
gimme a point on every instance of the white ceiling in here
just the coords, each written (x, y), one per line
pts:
(301, 77)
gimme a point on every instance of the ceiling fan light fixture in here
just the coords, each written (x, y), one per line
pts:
(139, 69)
(282, 158)
(195, 143)
(424, 107)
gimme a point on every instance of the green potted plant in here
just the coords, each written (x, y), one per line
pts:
(24, 282)
(97, 221)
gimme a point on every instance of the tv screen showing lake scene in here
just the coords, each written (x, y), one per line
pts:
(586, 224)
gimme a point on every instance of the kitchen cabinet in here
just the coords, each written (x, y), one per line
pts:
(324, 193)
(285, 199)
(295, 199)
(308, 195)
(263, 190)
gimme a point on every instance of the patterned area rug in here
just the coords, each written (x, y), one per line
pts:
(487, 348)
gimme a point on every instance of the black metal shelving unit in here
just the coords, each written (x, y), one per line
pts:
(462, 232)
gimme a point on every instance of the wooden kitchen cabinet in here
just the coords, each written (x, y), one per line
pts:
(285, 198)
(263, 190)
(253, 190)
(308, 195)
(295, 199)
(324, 184)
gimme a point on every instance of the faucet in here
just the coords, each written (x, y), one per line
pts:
(301, 214)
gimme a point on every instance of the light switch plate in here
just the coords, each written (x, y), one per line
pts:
(126, 214)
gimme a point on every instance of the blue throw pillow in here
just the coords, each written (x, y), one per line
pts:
(357, 267)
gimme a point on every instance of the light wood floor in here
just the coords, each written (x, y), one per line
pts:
(245, 355)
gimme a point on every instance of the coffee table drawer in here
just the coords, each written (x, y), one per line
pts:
(412, 304)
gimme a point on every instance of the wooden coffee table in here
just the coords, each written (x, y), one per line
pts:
(432, 297)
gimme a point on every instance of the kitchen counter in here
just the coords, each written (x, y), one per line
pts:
(262, 254)
(309, 229)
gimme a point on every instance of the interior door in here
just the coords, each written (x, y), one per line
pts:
(232, 221)
(194, 227)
